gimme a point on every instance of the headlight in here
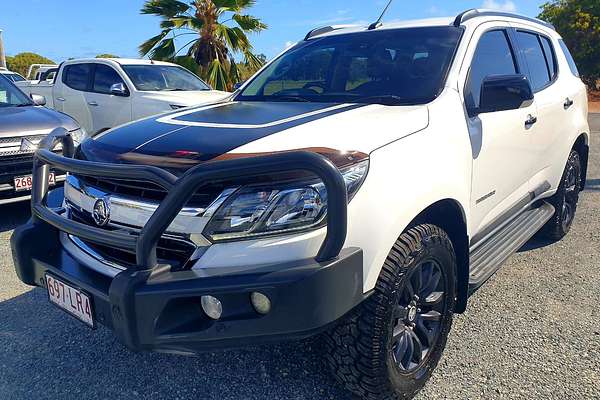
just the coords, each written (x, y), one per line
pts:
(78, 136)
(277, 208)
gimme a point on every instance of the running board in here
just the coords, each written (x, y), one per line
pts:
(488, 257)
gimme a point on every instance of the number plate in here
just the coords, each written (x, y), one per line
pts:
(26, 182)
(71, 300)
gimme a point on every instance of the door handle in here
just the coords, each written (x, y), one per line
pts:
(93, 103)
(568, 103)
(60, 98)
(531, 120)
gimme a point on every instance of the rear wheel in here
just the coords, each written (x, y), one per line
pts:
(388, 347)
(565, 200)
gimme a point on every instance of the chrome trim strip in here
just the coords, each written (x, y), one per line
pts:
(131, 213)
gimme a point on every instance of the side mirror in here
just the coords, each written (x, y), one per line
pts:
(504, 92)
(119, 89)
(238, 85)
(38, 99)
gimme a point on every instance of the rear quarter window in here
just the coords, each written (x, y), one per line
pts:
(570, 60)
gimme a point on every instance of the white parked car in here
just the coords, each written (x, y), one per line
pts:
(362, 185)
(103, 93)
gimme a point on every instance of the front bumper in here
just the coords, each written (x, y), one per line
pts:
(152, 306)
(161, 311)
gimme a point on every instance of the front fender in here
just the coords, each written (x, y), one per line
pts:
(405, 177)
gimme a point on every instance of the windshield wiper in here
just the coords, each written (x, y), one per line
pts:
(23, 104)
(385, 99)
(290, 97)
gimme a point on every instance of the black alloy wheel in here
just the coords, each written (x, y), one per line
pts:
(419, 315)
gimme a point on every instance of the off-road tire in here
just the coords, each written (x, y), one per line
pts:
(565, 200)
(358, 349)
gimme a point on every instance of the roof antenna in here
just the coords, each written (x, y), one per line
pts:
(378, 23)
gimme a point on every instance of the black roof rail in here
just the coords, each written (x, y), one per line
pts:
(324, 29)
(474, 13)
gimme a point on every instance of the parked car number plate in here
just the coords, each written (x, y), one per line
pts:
(71, 300)
(26, 182)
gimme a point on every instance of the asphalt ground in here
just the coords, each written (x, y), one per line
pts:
(532, 332)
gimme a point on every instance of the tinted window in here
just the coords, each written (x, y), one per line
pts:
(532, 49)
(395, 66)
(569, 57)
(550, 56)
(493, 56)
(104, 78)
(10, 95)
(16, 77)
(163, 78)
(312, 68)
(77, 76)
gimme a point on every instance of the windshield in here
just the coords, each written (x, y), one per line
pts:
(163, 78)
(400, 66)
(10, 96)
(15, 77)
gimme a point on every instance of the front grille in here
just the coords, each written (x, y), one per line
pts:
(11, 146)
(150, 192)
(175, 251)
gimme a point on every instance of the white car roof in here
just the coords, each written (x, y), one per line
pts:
(469, 17)
(120, 61)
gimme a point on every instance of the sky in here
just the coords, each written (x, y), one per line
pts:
(60, 29)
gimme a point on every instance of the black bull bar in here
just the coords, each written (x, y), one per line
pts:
(179, 191)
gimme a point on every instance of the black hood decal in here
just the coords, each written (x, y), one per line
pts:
(186, 138)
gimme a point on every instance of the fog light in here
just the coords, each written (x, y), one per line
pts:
(260, 302)
(212, 306)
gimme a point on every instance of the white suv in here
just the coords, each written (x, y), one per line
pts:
(362, 185)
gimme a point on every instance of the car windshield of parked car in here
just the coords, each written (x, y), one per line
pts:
(163, 78)
(10, 96)
(390, 66)
(15, 77)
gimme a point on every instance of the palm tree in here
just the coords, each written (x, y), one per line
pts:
(219, 28)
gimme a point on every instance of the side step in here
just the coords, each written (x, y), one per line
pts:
(488, 257)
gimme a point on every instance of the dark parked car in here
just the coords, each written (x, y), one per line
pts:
(23, 123)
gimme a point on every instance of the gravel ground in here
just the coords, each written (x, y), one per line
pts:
(531, 332)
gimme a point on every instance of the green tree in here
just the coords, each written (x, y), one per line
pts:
(578, 21)
(106, 55)
(245, 70)
(219, 29)
(20, 63)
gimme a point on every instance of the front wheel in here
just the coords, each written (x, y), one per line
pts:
(565, 200)
(388, 347)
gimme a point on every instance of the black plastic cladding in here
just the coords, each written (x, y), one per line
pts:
(180, 191)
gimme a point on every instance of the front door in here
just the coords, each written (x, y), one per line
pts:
(503, 162)
(107, 110)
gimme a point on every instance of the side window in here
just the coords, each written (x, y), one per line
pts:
(550, 56)
(570, 59)
(104, 77)
(530, 44)
(76, 76)
(493, 56)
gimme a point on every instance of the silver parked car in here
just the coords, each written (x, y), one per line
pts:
(23, 123)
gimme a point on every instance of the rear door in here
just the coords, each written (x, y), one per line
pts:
(75, 81)
(107, 110)
(555, 103)
(503, 162)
